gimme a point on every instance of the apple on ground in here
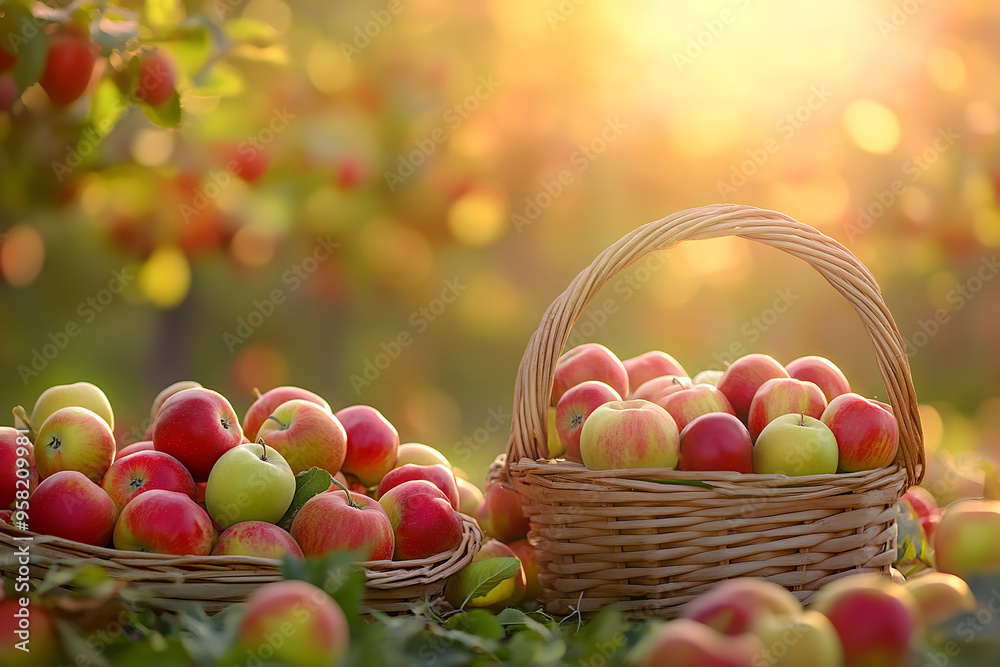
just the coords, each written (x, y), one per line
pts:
(145, 471)
(469, 496)
(716, 441)
(660, 387)
(140, 446)
(507, 593)
(804, 639)
(423, 521)
(74, 438)
(741, 380)
(867, 432)
(503, 513)
(250, 482)
(695, 401)
(929, 524)
(967, 539)
(196, 426)
(306, 435)
(45, 647)
(341, 521)
(164, 522)
(590, 361)
(920, 500)
(708, 376)
(420, 454)
(529, 561)
(629, 434)
(940, 597)
(78, 394)
(575, 405)
(649, 365)
(795, 445)
(265, 404)
(552, 440)
(256, 538)
(372, 443)
(783, 396)
(736, 606)
(821, 371)
(68, 504)
(439, 475)
(11, 452)
(686, 643)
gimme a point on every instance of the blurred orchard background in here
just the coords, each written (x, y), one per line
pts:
(378, 200)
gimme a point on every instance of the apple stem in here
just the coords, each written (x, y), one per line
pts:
(263, 449)
(20, 415)
(802, 419)
(350, 501)
(284, 426)
(256, 392)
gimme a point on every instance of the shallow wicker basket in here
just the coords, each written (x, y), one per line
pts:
(219, 581)
(633, 539)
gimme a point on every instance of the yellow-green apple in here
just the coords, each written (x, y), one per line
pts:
(741, 380)
(708, 376)
(795, 445)
(423, 521)
(469, 496)
(28, 635)
(649, 365)
(737, 606)
(807, 638)
(256, 538)
(875, 618)
(372, 443)
(555, 445)
(575, 405)
(529, 561)
(78, 394)
(141, 446)
(716, 441)
(694, 401)
(338, 521)
(292, 623)
(74, 438)
(783, 396)
(439, 475)
(866, 430)
(629, 434)
(166, 393)
(503, 514)
(420, 454)
(15, 448)
(306, 435)
(265, 404)
(68, 504)
(250, 482)
(967, 539)
(940, 596)
(821, 371)
(196, 426)
(660, 387)
(145, 471)
(590, 361)
(686, 643)
(164, 522)
(507, 593)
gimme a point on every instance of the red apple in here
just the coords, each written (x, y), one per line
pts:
(821, 371)
(716, 441)
(343, 521)
(660, 387)
(141, 446)
(590, 361)
(440, 476)
(68, 66)
(32, 624)
(783, 396)
(306, 435)
(145, 471)
(687, 643)
(372, 443)
(256, 538)
(15, 447)
(164, 522)
(74, 438)
(649, 365)
(166, 393)
(736, 606)
(469, 496)
(68, 505)
(629, 434)
(507, 593)
(529, 561)
(695, 401)
(573, 409)
(866, 431)
(196, 426)
(265, 404)
(920, 501)
(744, 377)
(423, 521)
(503, 513)
(156, 80)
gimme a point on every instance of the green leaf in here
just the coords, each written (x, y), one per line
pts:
(478, 579)
(336, 573)
(222, 80)
(107, 106)
(24, 36)
(477, 622)
(308, 483)
(190, 45)
(252, 32)
(167, 114)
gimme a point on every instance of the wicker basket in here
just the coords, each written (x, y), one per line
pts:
(219, 581)
(633, 539)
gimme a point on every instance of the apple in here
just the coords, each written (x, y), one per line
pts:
(372, 443)
(79, 394)
(875, 618)
(741, 380)
(33, 624)
(716, 441)
(649, 365)
(145, 471)
(156, 78)
(482, 516)
(164, 522)
(575, 405)
(306, 435)
(795, 445)
(15, 447)
(629, 434)
(661, 387)
(68, 504)
(507, 593)
(555, 444)
(250, 482)
(783, 396)
(590, 361)
(929, 524)
(256, 538)
(141, 446)
(708, 376)
(695, 401)
(423, 521)
(939, 597)
(920, 500)
(292, 623)
(201, 492)
(74, 438)
(336, 521)
(420, 454)
(503, 513)
(866, 430)
(439, 475)
(529, 562)
(736, 606)
(807, 638)
(967, 538)
(69, 65)
(265, 404)
(469, 496)
(196, 426)
(821, 371)
(166, 393)
(686, 643)
(352, 484)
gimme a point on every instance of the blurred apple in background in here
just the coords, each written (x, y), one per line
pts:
(920, 500)
(940, 597)
(423, 520)
(821, 371)
(660, 387)
(196, 426)
(807, 639)
(145, 471)
(78, 394)
(576, 404)
(695, 401)
(737, 606)
(795, 445)
(629, 434)
(306, 435)
(556, 447)
(250, 482)
(649, 365)
(439, 475)
(866, 431)
(687, 643)
(716, 441)
(265, 404)
(744, 377)
(967, 539)
(708, 376)
(44, 640)
(74, 438)
(12, 451)
(504, 514)
(164, 522)
(469, 496)
(783, 396)
(341, 521)
(69, 505)
(420, 454)
(507, 593)
(590, 361)
(529, 562)
(372, 443)
(256, 538)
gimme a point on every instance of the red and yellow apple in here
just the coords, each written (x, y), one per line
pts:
(575, 405)
(649, 365)
(306, 435)
(695, 401)
(804, 639)
(716, 441)
(529, 562)
(660, 387)
(164, 522)
(629, 434)
(166, 393)
(469, 496)
(783, 396)
(736, 606)
(503, 513)
(590, 361)
(256, 538)
(867, 432)
(196, 426)
(145, 471)
(420, 454)
(423, 520)
(33, 625)
(507, 593)
(74, 438)
(967, 538)
(821, 371)
(141, 446)
(372, 443)
(686, 643)
(265, 404)
(341, 521)
(68, 504)
(439, 475)
(741, 380)
(940, 596)
(78, 394)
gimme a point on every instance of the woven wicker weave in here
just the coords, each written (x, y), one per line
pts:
(632, 538)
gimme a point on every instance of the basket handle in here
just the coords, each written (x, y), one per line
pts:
(533, 386)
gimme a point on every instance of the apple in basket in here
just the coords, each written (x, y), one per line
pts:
(741, 380)
(251, 482)
(649, 365)
(716, 441)
(306, 435)
(164, 522)
(196, 426)
(441, 476)
(572, 410)
(15, 447)
(783, 396)
(140, 446)
(795, 445)
(78, 394)
(629, 434)
(266, 403)
(821, 371)
(694, 401)
(336, 521)
(867, 432)
(372, 443)
(143, 471)
(423, 521)
(68, 505)
(590, 361)
(74, 438)
(256, 538)
(660, 387)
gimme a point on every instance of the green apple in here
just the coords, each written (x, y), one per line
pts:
(807, 638)
(250, 482)
(795, 445)
(967, 540)
(80, 394)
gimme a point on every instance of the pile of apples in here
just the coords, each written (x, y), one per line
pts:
(205, 483)
(755, 416)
